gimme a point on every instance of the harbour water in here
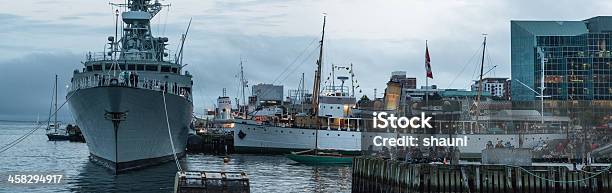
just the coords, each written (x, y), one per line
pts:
(36, 155)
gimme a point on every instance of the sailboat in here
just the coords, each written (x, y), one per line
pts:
(314, 156)
(55, 135)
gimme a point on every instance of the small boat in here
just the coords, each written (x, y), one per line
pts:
(55, 135)
(319, 158)
(75, 134)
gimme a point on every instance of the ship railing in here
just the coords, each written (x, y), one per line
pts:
(129, 80)
(96, 56)
(101, 56)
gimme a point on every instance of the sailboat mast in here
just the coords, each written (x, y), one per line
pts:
(317, 85)
(55, 106)
(484, 48)
(317, 80)
(243, 85)
(302, 93)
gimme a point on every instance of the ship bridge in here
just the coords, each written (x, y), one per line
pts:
(136, 59)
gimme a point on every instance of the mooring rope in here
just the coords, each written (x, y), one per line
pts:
(595, 174)
(29, 133)
(176, 160)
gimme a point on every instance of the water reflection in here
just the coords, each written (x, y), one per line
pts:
(36, 155)
(94, 178)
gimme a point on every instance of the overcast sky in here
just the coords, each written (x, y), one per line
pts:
(40, 38)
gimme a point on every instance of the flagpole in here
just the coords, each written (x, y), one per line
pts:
(426, 79)
(426, 90)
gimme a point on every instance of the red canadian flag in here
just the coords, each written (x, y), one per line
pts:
(428, 62)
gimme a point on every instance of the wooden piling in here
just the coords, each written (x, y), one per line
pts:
(373, 175)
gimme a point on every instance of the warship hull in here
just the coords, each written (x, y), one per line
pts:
(125, 128)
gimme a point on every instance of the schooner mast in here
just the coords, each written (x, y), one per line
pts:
(477, 104)
(316, 87)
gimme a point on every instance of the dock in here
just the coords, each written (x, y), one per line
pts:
(375, 175)
(210, 182)
(211, 142)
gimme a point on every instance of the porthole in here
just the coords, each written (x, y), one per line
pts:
(338, 135)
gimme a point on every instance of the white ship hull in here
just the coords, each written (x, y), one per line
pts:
(142, 136)
(269, 139)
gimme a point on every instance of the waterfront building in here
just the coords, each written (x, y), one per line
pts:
(404, 81)
(576, 74)
(576, 57)
(497, 87)
(268, 93)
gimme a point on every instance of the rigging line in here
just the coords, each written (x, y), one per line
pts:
(20, 139)
(287, 75)
(267, 91)
(51, 107)
(464, 67)
(491, 63)
(290, 65)
(178, 164)
(297, 67)
(607, 169)
(295, 60)
(477, 67)
(30, 132)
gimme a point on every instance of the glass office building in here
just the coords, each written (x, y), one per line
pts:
(577, 59)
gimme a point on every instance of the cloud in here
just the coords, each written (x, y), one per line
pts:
(27, 84)
(377, 37)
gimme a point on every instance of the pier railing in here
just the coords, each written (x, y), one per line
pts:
(372, 175)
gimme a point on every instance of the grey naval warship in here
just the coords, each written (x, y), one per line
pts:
(133, 101)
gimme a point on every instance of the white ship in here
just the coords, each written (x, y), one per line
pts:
(122, 97)
(337, 124)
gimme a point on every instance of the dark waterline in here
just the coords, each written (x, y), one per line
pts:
(36, 155)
